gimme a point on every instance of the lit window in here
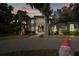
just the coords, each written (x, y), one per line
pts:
(72, 28)
(54, 28)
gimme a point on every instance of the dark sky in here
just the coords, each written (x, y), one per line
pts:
(33, 12)
(53, 5)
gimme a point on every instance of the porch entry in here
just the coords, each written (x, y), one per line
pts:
(40, 28)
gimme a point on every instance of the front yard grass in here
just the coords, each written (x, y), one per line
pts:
(42, 52)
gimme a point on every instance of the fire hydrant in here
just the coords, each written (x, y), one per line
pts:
(65, 49)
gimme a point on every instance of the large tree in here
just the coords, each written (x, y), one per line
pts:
(70, 13)
(44, 8)
(76, 11)
(66, 13)
(5, 17)
(5, 13)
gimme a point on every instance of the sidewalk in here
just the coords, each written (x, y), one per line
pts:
(37, 35)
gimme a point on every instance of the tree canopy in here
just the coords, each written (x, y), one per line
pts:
(44, 8)
(68, 13)
(5, 17)
(5, 13)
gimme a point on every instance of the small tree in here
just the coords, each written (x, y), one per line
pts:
(20, 17)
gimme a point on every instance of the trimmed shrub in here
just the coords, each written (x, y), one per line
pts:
(73, 32)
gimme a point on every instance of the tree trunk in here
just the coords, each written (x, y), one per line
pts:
(46, 25)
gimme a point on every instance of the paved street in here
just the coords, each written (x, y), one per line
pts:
(35, 43)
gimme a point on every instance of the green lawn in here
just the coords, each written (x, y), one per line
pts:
(43, 52)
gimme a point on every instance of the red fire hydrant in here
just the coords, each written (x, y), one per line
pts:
(65, 49)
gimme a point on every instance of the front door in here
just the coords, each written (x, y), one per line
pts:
(40, 28)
